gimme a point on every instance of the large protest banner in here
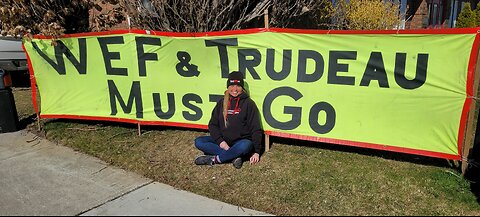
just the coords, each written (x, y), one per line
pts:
(406, 91)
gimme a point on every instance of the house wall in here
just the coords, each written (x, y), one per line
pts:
(417, 14)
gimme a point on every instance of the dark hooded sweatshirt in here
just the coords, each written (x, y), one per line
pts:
(243, 122)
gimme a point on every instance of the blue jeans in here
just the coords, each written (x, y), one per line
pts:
(208, 145)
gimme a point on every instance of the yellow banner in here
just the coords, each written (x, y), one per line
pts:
(402, 92)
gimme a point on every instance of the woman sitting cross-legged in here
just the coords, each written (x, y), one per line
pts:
(235, 130)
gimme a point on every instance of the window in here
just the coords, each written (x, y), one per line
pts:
(435, 13)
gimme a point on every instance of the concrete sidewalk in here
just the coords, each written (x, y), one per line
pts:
(38, 177)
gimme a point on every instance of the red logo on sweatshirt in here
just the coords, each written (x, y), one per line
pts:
(234, 111)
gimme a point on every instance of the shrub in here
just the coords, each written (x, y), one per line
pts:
(366, 14)
(467, 18)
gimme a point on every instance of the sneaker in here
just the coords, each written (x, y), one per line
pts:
(204, 160)
(237, 162)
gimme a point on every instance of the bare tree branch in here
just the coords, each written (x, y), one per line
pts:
(217, 15)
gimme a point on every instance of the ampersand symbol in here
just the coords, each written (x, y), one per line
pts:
(184, 68)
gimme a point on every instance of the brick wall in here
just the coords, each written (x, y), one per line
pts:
(418, 19)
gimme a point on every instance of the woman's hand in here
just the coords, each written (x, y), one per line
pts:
(224, 146)
(255, 158)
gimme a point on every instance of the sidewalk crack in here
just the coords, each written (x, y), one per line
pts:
(114, 198)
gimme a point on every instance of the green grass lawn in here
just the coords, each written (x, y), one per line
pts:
(294, 178)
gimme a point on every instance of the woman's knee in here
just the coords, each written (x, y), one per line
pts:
(245, 146)
(201, 141)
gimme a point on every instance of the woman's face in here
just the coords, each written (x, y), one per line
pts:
(235, 90)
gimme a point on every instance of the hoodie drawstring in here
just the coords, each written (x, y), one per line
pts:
(236, 106)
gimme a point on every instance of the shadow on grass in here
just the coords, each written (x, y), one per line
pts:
(472, 172)
(475, 185)
(144, 128)
(417, 159)
(24, 122)
(475, 188)
(334, 147)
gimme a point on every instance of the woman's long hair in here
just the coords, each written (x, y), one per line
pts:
(226, 99)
